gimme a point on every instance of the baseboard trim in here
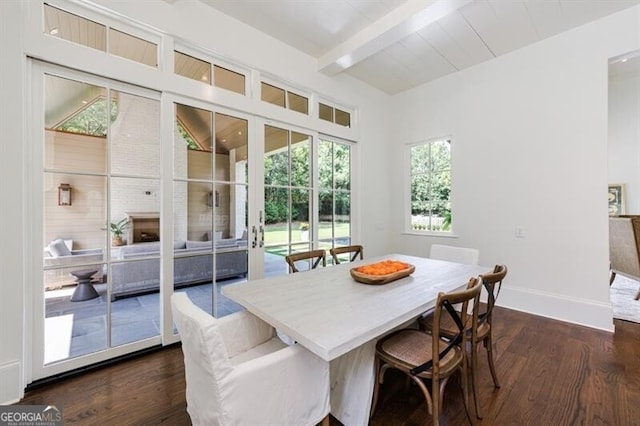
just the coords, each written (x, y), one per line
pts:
(573, 310)
(10, 391)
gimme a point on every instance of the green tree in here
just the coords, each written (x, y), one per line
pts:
(92, 119)
(431, 179)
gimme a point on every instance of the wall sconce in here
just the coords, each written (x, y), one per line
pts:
(64, 194)
(210, 199)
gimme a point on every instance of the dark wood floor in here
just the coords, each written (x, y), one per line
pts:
(552, 373)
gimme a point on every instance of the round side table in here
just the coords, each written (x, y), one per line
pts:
(84, 290)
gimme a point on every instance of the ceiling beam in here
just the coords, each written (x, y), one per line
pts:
(391, 28)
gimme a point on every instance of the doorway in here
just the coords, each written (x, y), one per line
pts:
(624, 182)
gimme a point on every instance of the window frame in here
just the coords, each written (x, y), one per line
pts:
(353, 196)
(187, 49)
(110, 22)
(335, 106)
(408, 226)
(287, 88)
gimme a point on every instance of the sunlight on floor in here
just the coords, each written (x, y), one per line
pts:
(52, 294)
(57, 337)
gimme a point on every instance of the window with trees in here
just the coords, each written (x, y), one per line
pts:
(430, 177)
(334, 184)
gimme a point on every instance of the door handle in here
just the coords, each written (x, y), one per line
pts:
(254, 243)
(261, 236)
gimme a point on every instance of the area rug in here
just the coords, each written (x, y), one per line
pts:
(623, 292)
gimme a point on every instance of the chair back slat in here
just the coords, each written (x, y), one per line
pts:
(314, 256)
(464, 321)
(355, 251)
(492, 282)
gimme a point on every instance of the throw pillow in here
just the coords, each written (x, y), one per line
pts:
(58, 248)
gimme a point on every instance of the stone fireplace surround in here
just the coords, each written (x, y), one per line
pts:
(143, 227)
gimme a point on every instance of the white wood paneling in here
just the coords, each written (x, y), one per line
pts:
(547, 17)
(504, 26)
(354, 36)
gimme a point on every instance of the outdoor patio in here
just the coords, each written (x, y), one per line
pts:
(74, 329)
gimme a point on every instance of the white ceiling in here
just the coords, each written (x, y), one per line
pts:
(396, 45)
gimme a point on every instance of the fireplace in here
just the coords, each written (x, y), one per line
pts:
(143, 227)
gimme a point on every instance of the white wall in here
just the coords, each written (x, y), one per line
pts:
(12, 193)
(191, 21)
(624, 136)
(529, 133)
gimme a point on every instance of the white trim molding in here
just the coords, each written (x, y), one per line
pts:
(574, 310)
(11, 390)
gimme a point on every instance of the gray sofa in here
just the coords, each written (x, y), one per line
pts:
(58, 254)
(133, 271)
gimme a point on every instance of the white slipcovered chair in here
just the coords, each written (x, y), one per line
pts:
(468, 256)
(238, 373)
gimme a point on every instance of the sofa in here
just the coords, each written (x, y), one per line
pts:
(624, 247)
(135, 268)
(133, 271)
(59, 258)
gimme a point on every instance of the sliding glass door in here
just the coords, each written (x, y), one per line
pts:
(288, 196)
(211, 202)
(99, 152)
(144, 194)
(334, 198)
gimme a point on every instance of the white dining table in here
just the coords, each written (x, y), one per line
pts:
(339, 319)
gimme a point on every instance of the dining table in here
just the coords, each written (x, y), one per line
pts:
(340, 319)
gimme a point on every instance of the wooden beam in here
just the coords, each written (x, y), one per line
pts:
(391, 28)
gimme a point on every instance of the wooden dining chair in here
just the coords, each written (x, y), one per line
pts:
(432, 356)
(492, 282)
(314, 257)
(354, 251)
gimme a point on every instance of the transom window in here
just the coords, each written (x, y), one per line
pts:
(284, 98)
(77, 29)
(201, 70)
(334, 115)
(430, 180)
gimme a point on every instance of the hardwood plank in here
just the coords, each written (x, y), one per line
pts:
(551, 373)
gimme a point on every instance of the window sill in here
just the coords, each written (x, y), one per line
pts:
(431, 234)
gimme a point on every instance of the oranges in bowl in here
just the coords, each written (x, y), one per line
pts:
(383, 268)
(382, 272)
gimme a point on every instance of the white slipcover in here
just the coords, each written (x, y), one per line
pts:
(239, 373)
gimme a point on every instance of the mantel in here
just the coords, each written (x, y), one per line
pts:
(143, 215)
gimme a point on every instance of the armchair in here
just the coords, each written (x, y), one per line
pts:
(237, 371)
(624, 247)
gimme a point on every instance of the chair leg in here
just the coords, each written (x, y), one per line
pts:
(435, 398)
(376, 387)
(464, 379)
(489, 345)
(465, 392)
(425, 393)
(474, 378)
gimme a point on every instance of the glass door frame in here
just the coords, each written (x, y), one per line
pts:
(168, 122)
(260, 188)
(34, 210)
(34, 297)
